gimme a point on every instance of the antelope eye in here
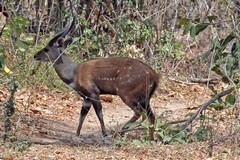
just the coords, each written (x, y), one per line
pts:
(46, 50)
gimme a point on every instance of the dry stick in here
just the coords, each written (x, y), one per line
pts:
(203, 107)
(206, 81)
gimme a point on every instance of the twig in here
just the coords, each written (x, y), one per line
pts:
(205, 81)
(179, 81)
(197, 80)
(175, 122)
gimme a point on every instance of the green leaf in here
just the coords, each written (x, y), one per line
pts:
(129, 22)
(225, 79)
(228, 39)
(230, 63)
(2, 58)
(217, 44)
(180, 140)
(212, 89)
(235, 50)
(87, 31)
(189, 114)
(137, 27)
(203, 117)
(145, 125)
(231, 99)
(211, 18)
(184, 21)
(159, 123)
(201, 27)
(193, 30)
(197, 20)
(144, 116)
(216, 106)
(206, 55)
(136, 142)
(187, 28)
(22, 45)
(167, 139)
(217, 70)
(131, 124)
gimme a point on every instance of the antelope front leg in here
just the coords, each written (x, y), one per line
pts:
(85, 108)
(132, 120)
(135, 117)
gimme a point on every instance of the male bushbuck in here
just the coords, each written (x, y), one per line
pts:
(132, 80)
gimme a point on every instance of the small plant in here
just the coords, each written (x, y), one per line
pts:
(223, 58)
(23, 145)
(167, 133)
(9, 109)
(169, 47)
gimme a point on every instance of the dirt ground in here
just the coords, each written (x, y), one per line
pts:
(48, 119)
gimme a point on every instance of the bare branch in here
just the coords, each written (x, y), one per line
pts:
(205, 105)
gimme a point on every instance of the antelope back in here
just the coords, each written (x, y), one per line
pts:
(116, 75)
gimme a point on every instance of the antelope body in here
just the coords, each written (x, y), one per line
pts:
(132, 80)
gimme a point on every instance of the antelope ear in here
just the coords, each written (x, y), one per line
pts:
(67, 42)
(60, 42)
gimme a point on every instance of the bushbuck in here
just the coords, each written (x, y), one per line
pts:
(132, 80)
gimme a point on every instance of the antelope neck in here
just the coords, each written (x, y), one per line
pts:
(65, 69)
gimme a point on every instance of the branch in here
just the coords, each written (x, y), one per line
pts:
(206, 81)
(205, 105)
(197, 80)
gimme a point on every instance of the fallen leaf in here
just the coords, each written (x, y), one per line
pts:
(35, 111)
(106, 99)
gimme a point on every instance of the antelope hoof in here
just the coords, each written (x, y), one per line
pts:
(104, 134)
(77, 134)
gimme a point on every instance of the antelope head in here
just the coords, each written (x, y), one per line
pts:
(56, 46)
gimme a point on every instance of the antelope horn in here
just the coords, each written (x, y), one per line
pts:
(63, 33)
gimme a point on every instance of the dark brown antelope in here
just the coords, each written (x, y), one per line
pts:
(132, 80)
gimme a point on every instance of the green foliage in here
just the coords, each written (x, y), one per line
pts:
(15, 27)
(194, 26)
(170, 47)
(133, 32)
(23, 145)
(127, 31)
(200, 135)
(13, 33)
(168, 133)
(9, 108)
(225, 62)
(2, 59)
